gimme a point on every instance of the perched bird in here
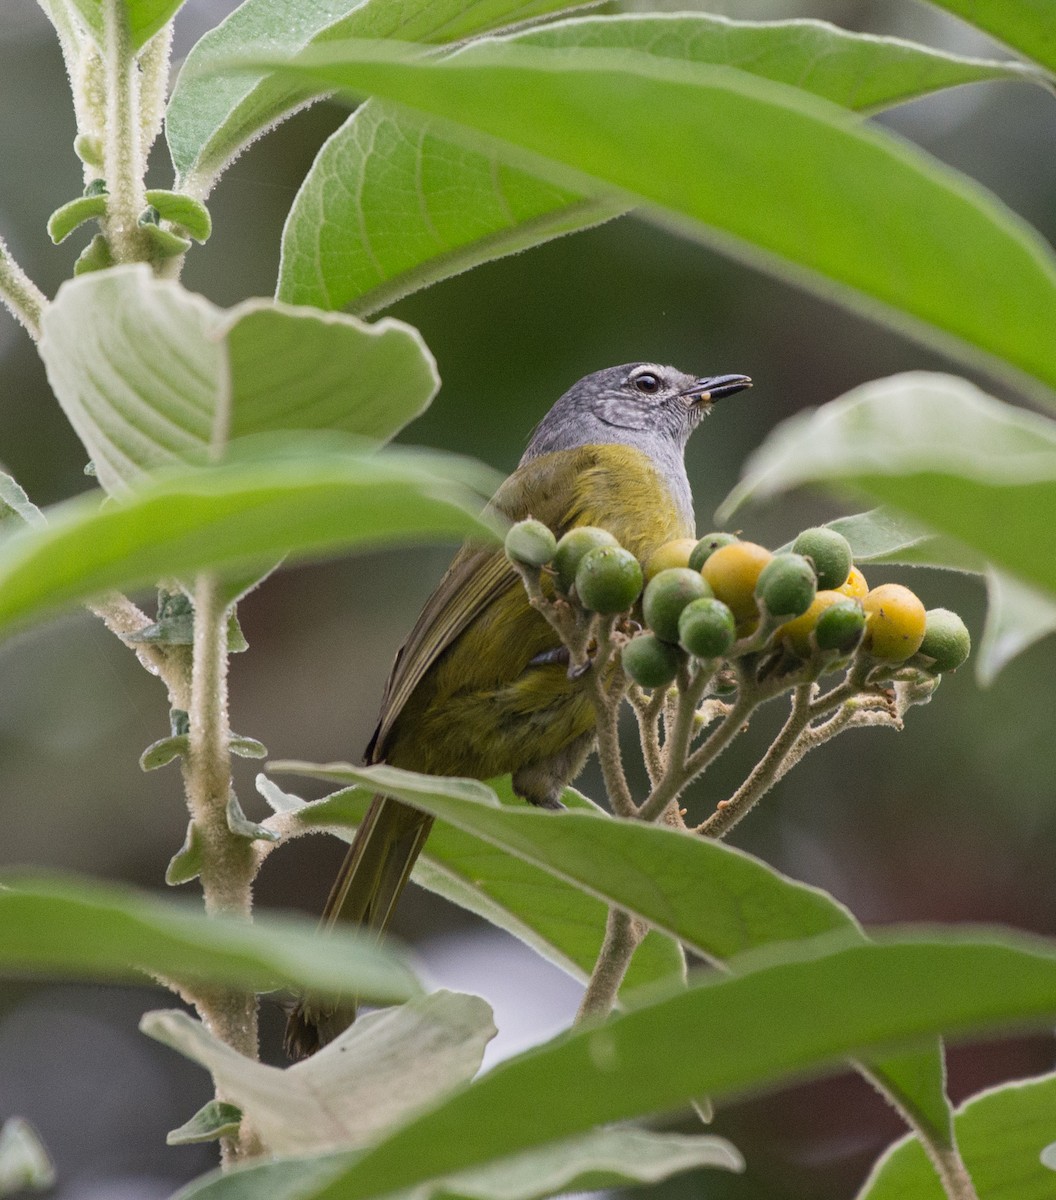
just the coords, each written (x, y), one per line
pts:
(476, 689)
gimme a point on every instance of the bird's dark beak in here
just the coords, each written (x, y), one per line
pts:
(714, 387)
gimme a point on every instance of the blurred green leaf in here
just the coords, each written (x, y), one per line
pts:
(717, 900)
(604, 1158)
(557, 920)
(710, 148)
(727, 1035)
(213, 1120)
(1001, 1132)
(212, 118)
(144, 17)
(81, 929)
(1025, 25)
(384, 1069)
(392, 203)
(16, 508)
(24, 1162)
(233, 516)
(1017, 616)
(883, 535)
(241, 826)
(151, 375)
(944, 452)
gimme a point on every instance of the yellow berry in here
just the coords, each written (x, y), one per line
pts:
(670, 554)
(895, 622)
(732, 573)
(855, 587)
(796, 634)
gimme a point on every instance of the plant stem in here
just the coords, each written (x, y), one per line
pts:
(648, 715)
(623, 933)
(606, 702)
(20, 295)
(123, 155)
(172, 664)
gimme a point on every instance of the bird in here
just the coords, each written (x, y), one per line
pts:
(478, 689)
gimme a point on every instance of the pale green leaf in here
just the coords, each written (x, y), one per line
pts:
(241, 826)
(213, 1120)
(165, 750)
(241, 515)
(211, 118)
(190, 214)
(144, 17)
(1017, 616)
(603, 1158)
(16, 508)
(151, 375)
(63, 221)
(81, 929)
(902, 236)
(719, 902)
(384, 1069)
(1002, 1133)
(1025, 25)
(186, 863)
(24, 1162)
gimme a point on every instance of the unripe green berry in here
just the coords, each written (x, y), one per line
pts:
(649, 662)
(706, 628)
(707, 546)
(667, 595)
(531, 543)
(946, 639)
(786, 586)
(830, 552)
(840, 627)
(608, 580)
(572, 547)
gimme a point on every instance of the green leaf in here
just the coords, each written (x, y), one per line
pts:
(944, 452)
(604, 1158)
(384, 1069)
(96, 256)
(883, 535)
(716, 900)
(235, 516)
(241, 826)
(145, 17)
(164, 243)
(392, 203)
(16, 508)
(165, 750)
(711, 147)
(557, 920)
(63, 221)
(211, 119)
(186, 863)
(1002, 1133)
(1017, 616)
(24, 1162)
(190, 214)
(726, 1035)
(247, 747)
(1025, 25)
(151, 375)
(213, 1120)
(82, 929)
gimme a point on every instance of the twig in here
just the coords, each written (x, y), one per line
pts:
(20, 295)
(623, 933)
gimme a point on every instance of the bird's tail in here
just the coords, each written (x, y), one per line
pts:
(373, 875)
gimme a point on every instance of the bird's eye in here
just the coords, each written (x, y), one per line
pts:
(647, 382)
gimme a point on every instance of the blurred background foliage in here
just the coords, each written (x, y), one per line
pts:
(953, 820)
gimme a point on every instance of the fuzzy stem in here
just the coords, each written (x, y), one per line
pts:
(765, 772)
(172, 664)
(123, 155)
(606, 702)
(20, 295)
(623, 933)
(648, 715)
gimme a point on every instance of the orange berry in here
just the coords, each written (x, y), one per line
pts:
(796, 634)
(855, 587)
(895, 622)
(732, 572)
(670, 554)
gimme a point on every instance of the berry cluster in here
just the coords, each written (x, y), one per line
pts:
(807, 610)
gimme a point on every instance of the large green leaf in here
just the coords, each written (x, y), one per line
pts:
(603, 1158)
(558, 920)
(901, 235)
(718, 901)
(393, 203)
(387, 1067)
(240, 516)
(151, 375)
(78, 928)
(1001, 1132)
(211, 119)
(730, 1034)
(1025, 25)
(940, 450)
(144, 17)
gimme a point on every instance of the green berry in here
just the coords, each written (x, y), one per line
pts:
(840, 626)
(706, 628)
(531, 543)
(667, 595)
(608, 580)
(786, 586)
(707, 546)
(572, 547)
(829, 551)
(946, 639)
(650, 662)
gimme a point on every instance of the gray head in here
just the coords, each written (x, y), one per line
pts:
(645, 405)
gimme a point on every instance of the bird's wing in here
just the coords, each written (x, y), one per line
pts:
(476, 577)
